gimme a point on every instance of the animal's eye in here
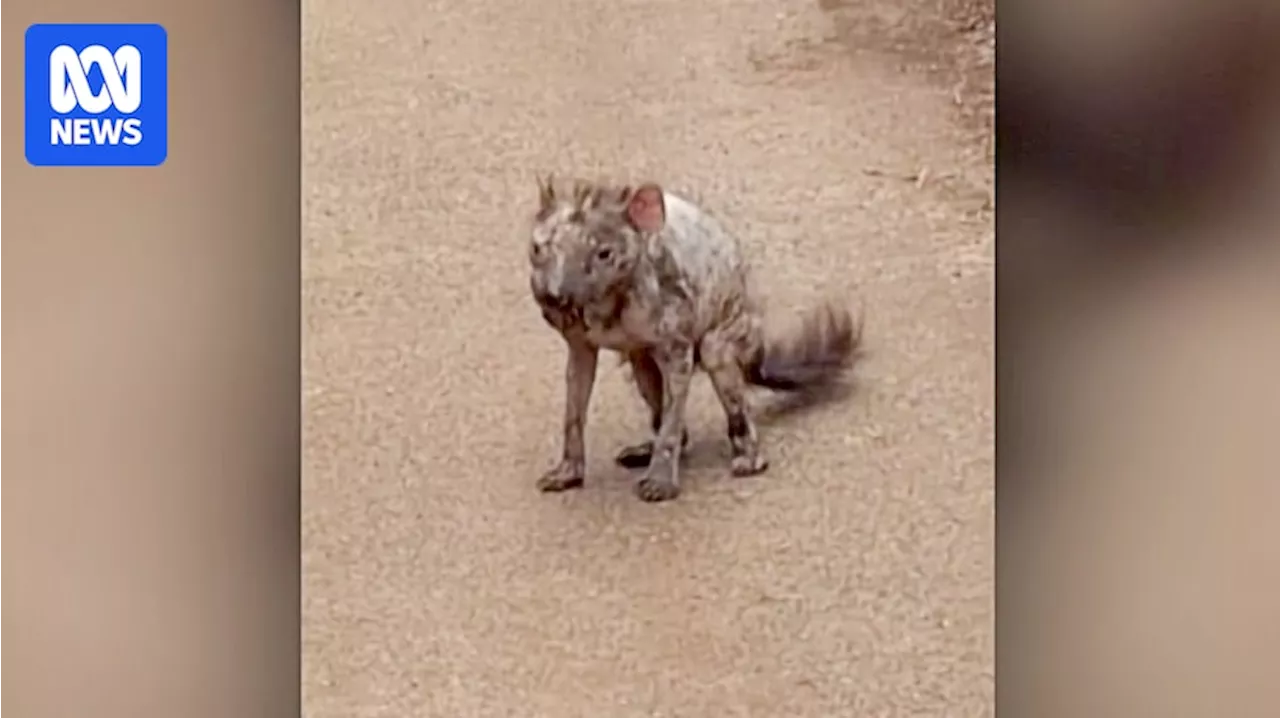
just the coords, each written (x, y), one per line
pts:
(604, 254)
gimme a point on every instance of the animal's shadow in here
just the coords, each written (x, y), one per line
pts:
(781, 407)
(708, 451)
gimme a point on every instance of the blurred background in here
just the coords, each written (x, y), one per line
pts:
(1138, 397)
(151, 389)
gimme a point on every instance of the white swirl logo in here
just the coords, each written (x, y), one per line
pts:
(69, 79)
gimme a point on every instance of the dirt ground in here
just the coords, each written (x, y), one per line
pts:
(848, 143)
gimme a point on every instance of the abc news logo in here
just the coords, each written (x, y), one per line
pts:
(97, 94)
(121, 90)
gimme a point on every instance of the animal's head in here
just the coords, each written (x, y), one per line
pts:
(587, 239)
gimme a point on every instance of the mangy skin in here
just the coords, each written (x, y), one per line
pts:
(649, 275)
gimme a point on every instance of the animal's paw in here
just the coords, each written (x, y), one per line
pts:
(748, 465)
(567, 475)
(653, 489)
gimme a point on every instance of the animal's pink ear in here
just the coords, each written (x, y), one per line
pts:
(646, 209)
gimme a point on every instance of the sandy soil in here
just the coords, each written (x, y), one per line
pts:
(849, 144)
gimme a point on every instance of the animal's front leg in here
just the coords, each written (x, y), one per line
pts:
(662, 480)
(648, 379)
(580, 377)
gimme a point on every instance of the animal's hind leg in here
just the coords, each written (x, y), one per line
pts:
(720, 358)
(648, 378)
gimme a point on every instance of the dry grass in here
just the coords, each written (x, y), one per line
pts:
(973, 52)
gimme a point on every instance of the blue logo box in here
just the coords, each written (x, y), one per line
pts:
(97, 95)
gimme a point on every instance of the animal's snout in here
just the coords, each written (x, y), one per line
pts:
(562, 282)
(555, 286)
(571, 288)
(552, 282)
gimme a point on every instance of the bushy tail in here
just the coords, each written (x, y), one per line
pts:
(817, 351)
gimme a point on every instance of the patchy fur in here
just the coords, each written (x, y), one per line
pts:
(649, 275)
